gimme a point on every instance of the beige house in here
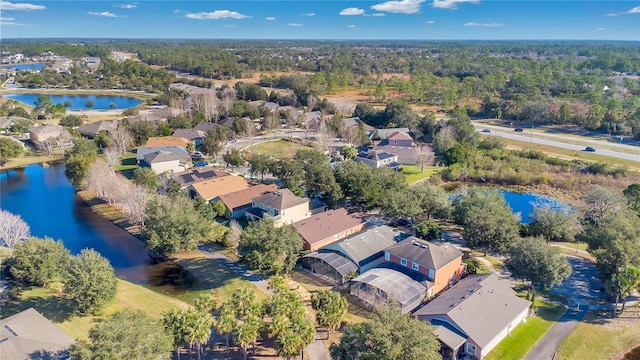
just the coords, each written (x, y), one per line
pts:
(38, 134)
(282, 206)
(164, 159)
(211, 190)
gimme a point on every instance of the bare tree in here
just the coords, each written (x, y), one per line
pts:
(322, 136)
(233, 235)
(121, 139)
(312, 101)
(345, 107)
(98, 177)
(425, 156)
(351, 135)
(137, 198)
(112, 156)
(48, 145)
(12, 229)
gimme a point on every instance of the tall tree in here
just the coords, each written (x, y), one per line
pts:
(622, 284)
(38, 261)
(389, 335)
(555, 224)
(602, 202)
(331, 307)
(198, 328)
(174, 324)
(146, 177)
(91, 281)
(125, 335)
(9, 148)
(12, 230)
(432, 199)
(632, 193)
(267, 248)
(260, 164)
(533, 260)
(234, 158)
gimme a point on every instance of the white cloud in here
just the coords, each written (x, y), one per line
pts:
(635, 10)
(352, 11)
(491, 25)
(6, 6)
(430, 22)
(351, 27)
(104, 14)
(294, 24)
(177, 11)
(6, 19)
(378, 14)
(125, 6)
(217, 15)
(270, 18)
(602, 29)
(10, 23)
(399, 7)
(451, 4)
(308, 14)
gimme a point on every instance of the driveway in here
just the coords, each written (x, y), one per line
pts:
(546, 347)
(583, 285)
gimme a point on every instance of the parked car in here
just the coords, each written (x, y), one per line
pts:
(197, 154)
(404, 223)
(518, 129)
(201, 164)
(486, 130)
(590, 149)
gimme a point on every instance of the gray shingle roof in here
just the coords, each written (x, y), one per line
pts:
(190, 134)
(281, 199)
(480, 305)
(369, 242)
(425, 253)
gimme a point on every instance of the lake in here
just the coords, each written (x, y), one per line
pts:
(79, 102)
(46, 200)
(35, 66)
(523, 203)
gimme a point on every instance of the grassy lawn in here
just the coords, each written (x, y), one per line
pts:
(412, 172)
(526, 335)
(603, 337)
(31, 158)
(59, 310)
(128, 163)
(212, 277)
(277, 148)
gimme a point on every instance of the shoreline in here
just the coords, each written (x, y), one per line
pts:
(45, 159)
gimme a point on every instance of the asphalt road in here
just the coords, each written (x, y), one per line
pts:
(546, 347)
(582, 285)
(631, 152)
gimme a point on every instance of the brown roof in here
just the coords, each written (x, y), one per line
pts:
(281, 199)
(326, 224)
(243, 197)
(195, 175)
(167, 141)
(398, 136)
(425, 253)
(211, 189)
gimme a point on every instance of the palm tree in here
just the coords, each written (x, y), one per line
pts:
(242, 300)
(173, 322)
(623, 284)
(278, 325)
(247, 333)
(288, 344)
(305, 331)
(226, 323)
(199, 328)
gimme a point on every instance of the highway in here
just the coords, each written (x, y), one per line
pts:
(630, 152)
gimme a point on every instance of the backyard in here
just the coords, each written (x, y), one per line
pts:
(413, 174)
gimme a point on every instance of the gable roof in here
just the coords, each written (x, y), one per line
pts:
(205, 126)
(366, 243)
(376, 155)
(383, 132)
(161, 156)
(326, 224)
(243, 197)
(28, 334)
(281, 199)
(142, 151)
(195, 175)
(46, 129)
(94, 128)
(425, 253)
(480, 305)
(155, 141)
(211, 189)
(189, 134)
(397, 135)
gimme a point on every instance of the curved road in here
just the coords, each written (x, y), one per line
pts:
(632, 152)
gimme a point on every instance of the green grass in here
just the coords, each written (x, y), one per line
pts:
(413, 174)
(526, 335)
(277, 148)
(127, 163)
(60, 310)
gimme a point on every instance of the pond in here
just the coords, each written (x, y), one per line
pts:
(79, 102)
(523, 203)
(46, 200)
(34, 66)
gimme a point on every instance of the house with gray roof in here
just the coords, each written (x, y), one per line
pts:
(378, 159)
(205, 126)
(283, 206)
(197, 136)
(379, 286)
(29, 335)
(164, 158)
(91, 130)
(355, 121)
(474, 315)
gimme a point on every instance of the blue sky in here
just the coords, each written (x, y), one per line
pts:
(305, 19)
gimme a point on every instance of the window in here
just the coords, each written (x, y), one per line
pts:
(395, 142)
(432, 273)
(275, 212)
(471, 349)
(452, 279)
(403, 261)
(415, 266)
(346, 233)
(386, 256)
(336, 236)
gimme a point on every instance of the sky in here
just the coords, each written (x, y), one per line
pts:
(324, 19)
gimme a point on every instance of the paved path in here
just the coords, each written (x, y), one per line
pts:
(546, 347)
(316, 349)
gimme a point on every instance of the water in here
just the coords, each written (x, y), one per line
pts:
(46, 200)
(36, 66)
(523, 203)
(79, 102)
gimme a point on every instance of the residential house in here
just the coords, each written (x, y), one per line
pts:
(157, 141)
(474, 315)
(356, 253)
(440, 263)
(327, 227)
(164, 158)
(238, 202)
(378, 159)
(400, 144)
(91, 130)
(378, 286)
(382, 133)
(205, 126)
(211, 190)
(40, 133)
(271, 106)
(7, 121)
(195, 136)
(29, 335)
(282, 206)
(198, 174)
(353, 122)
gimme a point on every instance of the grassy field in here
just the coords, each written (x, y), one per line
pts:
(31, 159)
(59, 310)
(603, 337)
(128, 163)
(526, 335)
(413, 174)
(277, 148)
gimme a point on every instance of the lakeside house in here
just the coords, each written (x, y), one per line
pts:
(474, 315)
(238, 202)
(282, 206)
(400, 144)
(164, 158)
(29, 335)
(378, 159)
(92, 130)
(211, 190)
